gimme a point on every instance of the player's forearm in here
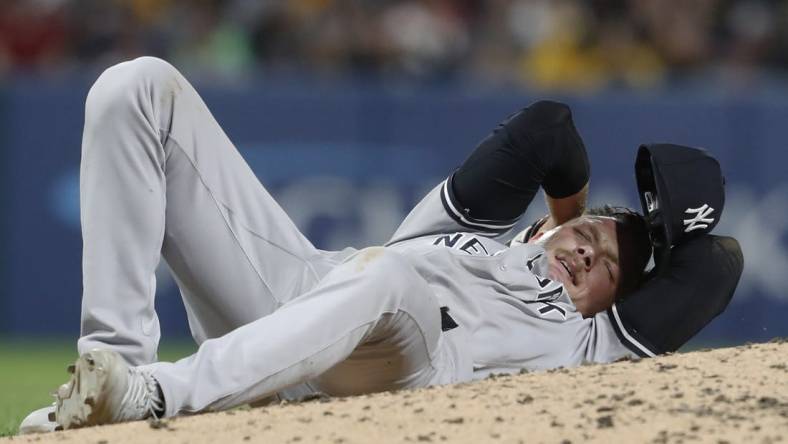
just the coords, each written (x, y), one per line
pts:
(567, 208)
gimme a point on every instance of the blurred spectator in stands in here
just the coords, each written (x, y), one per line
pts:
(578, 45)
(573, 45)
(213, 37)
(427, 38)
(748, 34)
(33, 35)
(680, 30)
(105, 32)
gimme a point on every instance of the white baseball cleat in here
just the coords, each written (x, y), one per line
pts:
(103, 390)
(39, 421)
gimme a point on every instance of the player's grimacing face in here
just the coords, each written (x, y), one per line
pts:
(583, 255)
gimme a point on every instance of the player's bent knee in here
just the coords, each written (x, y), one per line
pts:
(117, 87)
(139, 71)
(118, 81)
(151, 69)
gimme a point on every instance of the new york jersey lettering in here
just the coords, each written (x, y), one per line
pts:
(467, 243)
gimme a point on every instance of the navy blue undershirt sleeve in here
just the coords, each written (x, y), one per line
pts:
(537, 146)
(669, 309)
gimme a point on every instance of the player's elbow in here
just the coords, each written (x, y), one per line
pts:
(537, 127)
(545, 114)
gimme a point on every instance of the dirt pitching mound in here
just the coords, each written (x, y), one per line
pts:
(726, 395)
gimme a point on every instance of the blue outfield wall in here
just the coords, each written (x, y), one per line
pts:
(348, 164)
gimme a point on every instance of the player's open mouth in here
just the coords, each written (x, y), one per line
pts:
(568, 270)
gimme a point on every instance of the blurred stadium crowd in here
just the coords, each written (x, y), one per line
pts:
(568, 45)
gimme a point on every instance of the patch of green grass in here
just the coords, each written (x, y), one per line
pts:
(32, 369)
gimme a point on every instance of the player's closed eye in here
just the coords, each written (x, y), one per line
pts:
(609, 271)
(583, 234)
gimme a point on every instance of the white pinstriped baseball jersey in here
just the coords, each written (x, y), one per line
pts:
(514, 315)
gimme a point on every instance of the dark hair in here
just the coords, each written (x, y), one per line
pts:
(634, 245)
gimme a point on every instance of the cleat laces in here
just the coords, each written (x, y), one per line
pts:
(141, 399)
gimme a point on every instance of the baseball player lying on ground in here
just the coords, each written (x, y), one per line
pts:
(444, 301)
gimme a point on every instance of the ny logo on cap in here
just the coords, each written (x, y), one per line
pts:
(701, 219)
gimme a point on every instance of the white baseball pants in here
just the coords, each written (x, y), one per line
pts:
(160, 177)
(370, 325)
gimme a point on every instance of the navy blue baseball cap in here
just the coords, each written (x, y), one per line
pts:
(682, 192)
